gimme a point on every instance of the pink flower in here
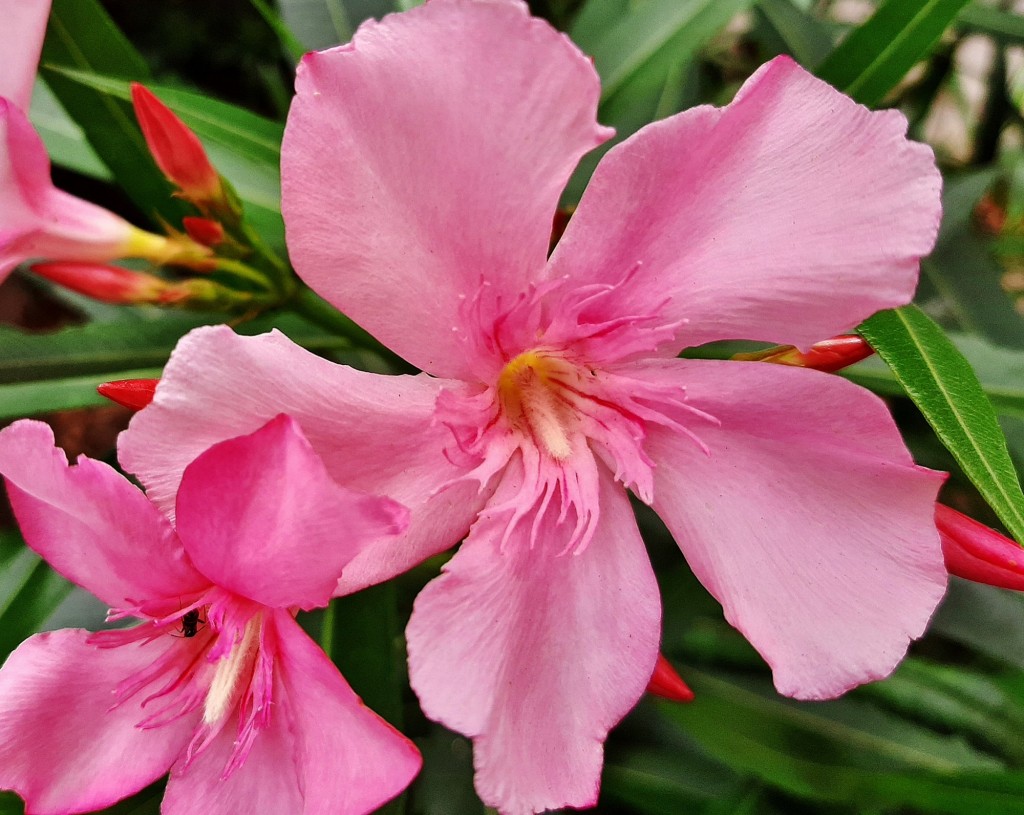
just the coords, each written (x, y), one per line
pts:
(36, 219)
(218, 683)
(553, 385)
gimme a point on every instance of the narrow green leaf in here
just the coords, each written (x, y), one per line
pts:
(33, 398)
(317, 23)
(32, 592)
(1007, 25)
(844, 751)
(873, 59)
(678, 26)
(947, 391)
(806, 38)
(244, 147)
(252, 136)
(289, 42)
(81, 35)
(64, 140)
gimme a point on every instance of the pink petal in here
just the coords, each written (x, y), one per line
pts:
(38, 220)
(536, 654)
(322, 752)
(21, 40)
(260, 515)
(92, 525)
(789, 215)
(351, 760)
(63, 746)
(374, 433)
(268, 781)
(807, 519)
(452, 130)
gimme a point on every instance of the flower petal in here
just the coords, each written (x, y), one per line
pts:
(21, 40)
(267, 782)
(374, 433)
(260, 515)
(92, 525)
(352, 760)
(37, 219)
(63, 746)
(789, 215)
(452, 130)
(323, 751)
(535, 654)
(806, 518)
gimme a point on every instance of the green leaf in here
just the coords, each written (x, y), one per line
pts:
(81, 35)
(30, 592)
(64, 140)
(244, 147)
(875, 57)
(1000, 371)
(34, 398)
(954, 699)
(660, 84)
(1006, 25)
(317, 23)
(806, 38)
(289, 42)
(947, 391)
(842, 751)
(651, 27)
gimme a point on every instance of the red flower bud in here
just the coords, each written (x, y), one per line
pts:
(134, 394)
(667, 683)
(977, 552)
(827, 355)
(206, 231)
(177, 150)
(109, 284)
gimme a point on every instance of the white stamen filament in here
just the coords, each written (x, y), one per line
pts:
(230, 670)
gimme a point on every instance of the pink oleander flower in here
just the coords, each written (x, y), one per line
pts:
(422, 164)
(36, 219)
(217, 683)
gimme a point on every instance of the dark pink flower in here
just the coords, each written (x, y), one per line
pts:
(421, 167)
(217, 684)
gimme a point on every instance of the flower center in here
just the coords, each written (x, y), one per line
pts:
(231, 670)
(537, 390)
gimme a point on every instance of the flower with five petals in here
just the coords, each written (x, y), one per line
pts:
(217, 684)
(422, 164)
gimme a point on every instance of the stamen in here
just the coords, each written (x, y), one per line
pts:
(230, 671)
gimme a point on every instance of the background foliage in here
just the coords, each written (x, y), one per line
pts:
(945, 734)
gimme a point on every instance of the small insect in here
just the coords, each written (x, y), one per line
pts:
(190, 623)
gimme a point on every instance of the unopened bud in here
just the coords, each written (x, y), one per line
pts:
(667, 683)
(977, 552)
(206, 231)
(177, 150)
(134, 394)
(827, 355)
(108, 284)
